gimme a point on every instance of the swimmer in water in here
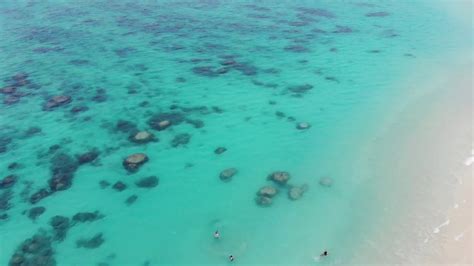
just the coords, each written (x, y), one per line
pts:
(217, 235)
(231, 258)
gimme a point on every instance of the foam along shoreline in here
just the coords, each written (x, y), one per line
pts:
(426, 155)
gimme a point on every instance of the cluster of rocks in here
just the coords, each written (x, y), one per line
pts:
(36, 250)
(63, 168)
(226, 65)
(280, 179)
(12, 91)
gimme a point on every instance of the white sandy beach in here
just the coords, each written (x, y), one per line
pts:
(428, 216)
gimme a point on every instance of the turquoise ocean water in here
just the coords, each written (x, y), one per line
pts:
(233, 74)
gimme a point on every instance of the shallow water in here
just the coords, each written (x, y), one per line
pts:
(241, 75)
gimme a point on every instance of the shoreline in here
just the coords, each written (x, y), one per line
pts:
(426, 148)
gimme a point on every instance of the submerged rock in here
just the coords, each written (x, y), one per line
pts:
(119, 186)
(63, 167)
(5, 198)
(279, 177)
(147, 182)
(31, 131)
(87, 157)
(295, 192)
(91, 243)
(267, 191)
(220, 150)
(13, 166)
(79, 109)
(263, 201)
(162, 121)
(133, 162)
(87, 217)
(142, 137)
(377, 14)
(126, 126)
(8, 90)
(35, 212)
(180, 139)
(57, 101)
(11, 99)
(227, 174)
(104, 184)
(130, 200)
(326, 181)
(60, 226)
(8, 181)
(39, 195)
(60, 181)
(300, 89)
(197, 123)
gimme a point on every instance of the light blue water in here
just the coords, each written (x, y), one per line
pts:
(129, 61)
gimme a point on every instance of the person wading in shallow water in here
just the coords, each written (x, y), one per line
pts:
(231, 258)
(324, 254)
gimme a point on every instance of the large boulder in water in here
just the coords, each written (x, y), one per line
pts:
(142, 137)
(133, 162)
(279, 177)
(227, 174)
(56, 101)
